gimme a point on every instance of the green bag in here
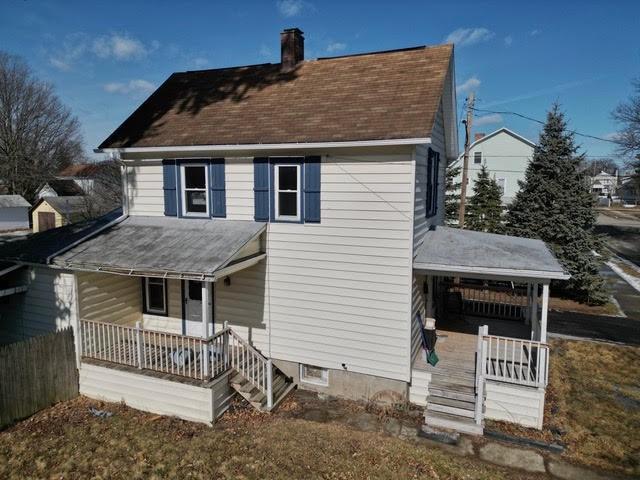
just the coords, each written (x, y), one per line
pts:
(433, 358)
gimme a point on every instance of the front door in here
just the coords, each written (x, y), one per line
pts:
(193, 309)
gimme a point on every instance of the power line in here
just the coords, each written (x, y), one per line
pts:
(505, 112)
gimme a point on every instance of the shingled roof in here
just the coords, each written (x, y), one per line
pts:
(375, 96)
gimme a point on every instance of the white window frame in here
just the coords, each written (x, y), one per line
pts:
(184, 189)
(276, 188)
(324, 382)
(164, 295)
(474, 158)
(504, 185)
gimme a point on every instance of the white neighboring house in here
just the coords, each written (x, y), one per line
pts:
(604, 184)
(278, 231)
(14, 212)
(506, 156)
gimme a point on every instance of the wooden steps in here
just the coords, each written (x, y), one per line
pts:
(281, 387)
(451, 398)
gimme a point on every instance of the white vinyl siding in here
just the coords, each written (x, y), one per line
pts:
(171, 323)
(239, 188)
(417, 307)
(48, 304)
(514, 403)
(145, 188)
(156, 395)
(335, 292)
(109, 298)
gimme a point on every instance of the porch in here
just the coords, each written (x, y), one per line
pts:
(488, 297)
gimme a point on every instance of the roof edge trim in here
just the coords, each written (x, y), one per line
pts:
(269, 146)
(506, 272)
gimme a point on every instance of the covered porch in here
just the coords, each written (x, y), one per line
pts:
(488, 296)
(146, 302)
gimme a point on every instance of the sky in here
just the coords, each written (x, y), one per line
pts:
(104, 58)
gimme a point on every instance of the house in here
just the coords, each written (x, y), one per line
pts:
(83, 174)
(281, 227)
(604, 184)
(54, 212)
(506, 156)
(60, 188)
(629, 190)
(14, 212)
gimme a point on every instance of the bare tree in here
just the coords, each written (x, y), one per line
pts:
(105, 194)
(627, 114)
(38, 134)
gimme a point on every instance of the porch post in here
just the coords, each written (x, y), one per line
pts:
(527, 318)
(206, 308)
(534, 307)
(545, 308)
(429, 309)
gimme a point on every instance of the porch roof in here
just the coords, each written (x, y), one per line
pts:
(477, 254)
(165, 247)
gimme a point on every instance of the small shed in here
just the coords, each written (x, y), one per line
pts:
(54, 212)
(14, 212)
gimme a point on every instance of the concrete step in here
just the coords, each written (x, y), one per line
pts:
(452, 422)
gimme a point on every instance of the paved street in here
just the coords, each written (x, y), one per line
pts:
(623, 237)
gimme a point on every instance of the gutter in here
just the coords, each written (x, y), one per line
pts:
(267, 146)
(503, 272)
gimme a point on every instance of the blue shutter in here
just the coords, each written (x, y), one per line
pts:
(436, 181)
(217, 188)
(312, 189)
(169, 186)
(261, 189)
(429, 186)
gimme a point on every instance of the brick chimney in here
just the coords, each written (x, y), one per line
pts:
(291, 48)
(478, 136)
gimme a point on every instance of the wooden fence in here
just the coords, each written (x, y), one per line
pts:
(35, 374)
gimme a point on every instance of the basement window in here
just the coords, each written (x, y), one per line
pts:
(314, 375)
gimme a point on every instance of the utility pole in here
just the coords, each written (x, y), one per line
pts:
(465, 167)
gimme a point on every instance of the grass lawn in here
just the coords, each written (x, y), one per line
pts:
(593, 405)
(66, 441)
(568, 305)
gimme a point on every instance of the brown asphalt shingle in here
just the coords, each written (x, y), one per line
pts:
(386, 95)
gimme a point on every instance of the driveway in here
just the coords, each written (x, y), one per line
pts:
(622, 230)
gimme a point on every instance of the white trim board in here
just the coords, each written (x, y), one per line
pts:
(500, 273)
(268, 146)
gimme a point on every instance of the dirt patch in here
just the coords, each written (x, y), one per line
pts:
(592, 405)
(67, 441)
(568, 305)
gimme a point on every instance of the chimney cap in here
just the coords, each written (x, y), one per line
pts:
(293, 30)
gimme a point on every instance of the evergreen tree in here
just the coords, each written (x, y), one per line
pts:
(452, 195)
(554, 206)
(484, 208)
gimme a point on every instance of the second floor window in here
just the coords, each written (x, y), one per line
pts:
(287, 192)
(195, 191)
(477, 158)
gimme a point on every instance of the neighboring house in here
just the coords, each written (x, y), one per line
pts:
(14, 212)
(83, 174)
(54, 212)
(60, 188)
(629, 190)
(282, 226)
(506, 156)
(604, 184)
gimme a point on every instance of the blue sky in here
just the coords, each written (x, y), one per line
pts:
(104, 58)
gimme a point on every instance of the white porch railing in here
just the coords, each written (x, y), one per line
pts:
(496, 302)
(191, 357)
(513, 360)
(246, 360)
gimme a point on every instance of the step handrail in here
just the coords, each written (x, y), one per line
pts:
(252, 364)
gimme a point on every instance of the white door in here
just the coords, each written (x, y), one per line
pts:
(193, 309)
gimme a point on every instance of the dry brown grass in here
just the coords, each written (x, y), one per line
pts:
(592, 405)
(568, 305)
(65, 441)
